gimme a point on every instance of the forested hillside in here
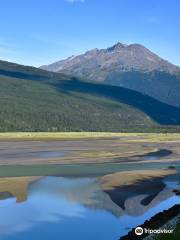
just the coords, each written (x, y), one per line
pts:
(35, 100)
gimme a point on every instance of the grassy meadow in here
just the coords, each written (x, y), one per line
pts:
(80, 135)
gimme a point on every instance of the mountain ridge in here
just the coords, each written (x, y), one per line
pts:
(131, 66)
(120, 48)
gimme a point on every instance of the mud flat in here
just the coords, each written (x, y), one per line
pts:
(72, 148)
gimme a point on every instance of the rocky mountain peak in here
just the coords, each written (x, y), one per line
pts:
(99, 63)
(117, 46)
(132, 66)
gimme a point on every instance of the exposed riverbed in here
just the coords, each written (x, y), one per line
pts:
(50, 189)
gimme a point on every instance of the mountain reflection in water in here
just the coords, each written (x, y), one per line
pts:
(75, 208)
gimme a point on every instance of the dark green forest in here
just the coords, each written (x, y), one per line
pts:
(35, 100)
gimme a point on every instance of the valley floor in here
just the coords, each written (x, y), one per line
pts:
(68, 148)
(125, 166)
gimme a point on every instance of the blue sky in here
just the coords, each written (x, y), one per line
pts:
(37, 32)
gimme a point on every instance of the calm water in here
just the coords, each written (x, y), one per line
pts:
(76, 208)
(78, 170)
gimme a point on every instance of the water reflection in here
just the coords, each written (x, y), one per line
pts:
(71, 209)
(17, 187)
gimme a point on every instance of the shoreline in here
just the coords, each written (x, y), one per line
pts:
(157, 221)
